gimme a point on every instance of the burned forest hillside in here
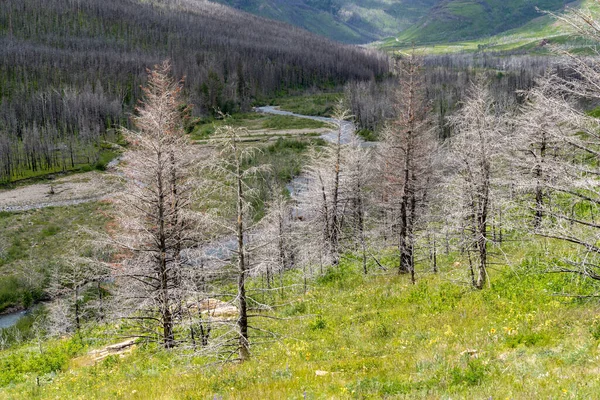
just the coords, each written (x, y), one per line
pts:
(71, 70)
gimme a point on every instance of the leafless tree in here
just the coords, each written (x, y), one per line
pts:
(321, 202)
(534, 145)
(405, 162)
(473, 157)
(277, 252)
(233, 177)
(155, 217)
(571, 171)
(358, 199)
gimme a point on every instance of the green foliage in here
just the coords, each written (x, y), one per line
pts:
(471, 375)
(595, 329)
(317, 324)
(17, 365)
(376, 336)
(38, 240)
(368, 135)
(319, 105)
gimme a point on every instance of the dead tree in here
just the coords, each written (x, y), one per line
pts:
(276, 253)
(534, 144)
(473, 155)
(572, 175)
(321, 203)
(154, 213)
(233, 176)
(405, 162)
(358, 184)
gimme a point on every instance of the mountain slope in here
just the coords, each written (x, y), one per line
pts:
(351, 21)
(420, 21)
(71, 70)
(454, 20)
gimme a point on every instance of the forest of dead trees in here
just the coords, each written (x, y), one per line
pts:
(70, 71)
(516, 157)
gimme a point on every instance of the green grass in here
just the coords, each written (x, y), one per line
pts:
(286, 158)
(458, 20)
(320, 105)
(526, 38)
(282, 122)
(34, 242)
(376, 336)
(203, 129)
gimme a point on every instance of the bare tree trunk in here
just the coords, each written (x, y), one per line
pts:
(539, 186)
(244, 344)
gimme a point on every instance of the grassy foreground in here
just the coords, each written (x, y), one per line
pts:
(374, 336)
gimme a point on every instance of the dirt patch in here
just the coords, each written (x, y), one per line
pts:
(69, 190)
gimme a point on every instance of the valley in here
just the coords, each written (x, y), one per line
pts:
(197, 202)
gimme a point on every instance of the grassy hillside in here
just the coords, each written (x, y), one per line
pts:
(351, 21)
(374, 336)
(421, 22)
(532, 37)
(458, 20)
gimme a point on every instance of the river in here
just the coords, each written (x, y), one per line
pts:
(8, 320)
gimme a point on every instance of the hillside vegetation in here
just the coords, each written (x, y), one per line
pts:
(411, 21)
(458, 20)
(358, 336)
(71, 71)
(352, 21)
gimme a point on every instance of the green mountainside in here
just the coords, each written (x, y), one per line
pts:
(418, 21)
(354, 21)
(456, 20)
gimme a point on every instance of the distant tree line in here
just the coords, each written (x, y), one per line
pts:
(70, 70)
(446, 81)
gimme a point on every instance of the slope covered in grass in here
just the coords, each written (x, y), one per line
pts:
(374, 336)
(351, 21)
(457, 20)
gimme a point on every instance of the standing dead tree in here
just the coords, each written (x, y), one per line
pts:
(233, 183)
(473, 155)
(534, 145)
(321, 203)
(277, 253)
(154, 213)
(358, 184)
(405, 161)
(78, 292)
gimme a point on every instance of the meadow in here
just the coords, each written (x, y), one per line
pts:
(349, 335)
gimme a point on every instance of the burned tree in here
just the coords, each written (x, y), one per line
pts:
(154, 213)
(405, 162)
(473, 155)
(233, 175)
